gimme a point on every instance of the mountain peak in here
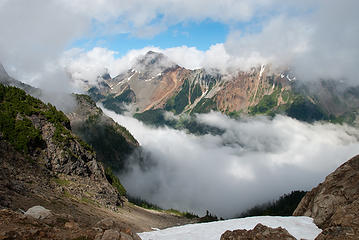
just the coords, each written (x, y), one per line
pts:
(153, 60)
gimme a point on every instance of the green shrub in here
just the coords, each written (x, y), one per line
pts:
(196, 92)
(117, 103)
(304, 110)
(143, 203)
(284, 206)
(178, 103)
(114, 181)
(205, 106)
(15, 109)
(266, 104)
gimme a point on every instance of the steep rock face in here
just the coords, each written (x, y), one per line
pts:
(247, 88)
(334, 204)
(112, 142)
(32, 130)
(258, 233)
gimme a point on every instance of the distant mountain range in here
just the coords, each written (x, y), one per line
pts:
(155, 84)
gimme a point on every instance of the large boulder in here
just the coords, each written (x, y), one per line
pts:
(260, 232)
(38, 212)
(334, 204)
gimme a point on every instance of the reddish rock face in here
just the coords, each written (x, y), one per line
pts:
(334, 204)
(260, 232)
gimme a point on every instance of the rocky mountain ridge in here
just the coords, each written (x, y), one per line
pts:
(155, 82)
(113, 143)
(43, 135)
(43, 163)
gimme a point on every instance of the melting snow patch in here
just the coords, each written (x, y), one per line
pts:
(289, 79)
(262, 70)
(299, 227)
(129, 78)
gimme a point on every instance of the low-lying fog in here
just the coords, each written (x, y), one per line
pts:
(256, 160)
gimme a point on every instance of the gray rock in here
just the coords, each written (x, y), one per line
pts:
(334, 204)
(38, 212)
(106, 223)
(260, 232)
(125, 236)
(110, 234)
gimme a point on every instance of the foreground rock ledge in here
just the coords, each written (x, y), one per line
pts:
(260, 232)
(334, 204)
(15, 225)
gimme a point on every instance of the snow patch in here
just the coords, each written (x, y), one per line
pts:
(290, 79)
(129, 78)
(263, 66)
(299, 227)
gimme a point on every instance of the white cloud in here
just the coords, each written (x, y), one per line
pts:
(314, 43)
(304, 34)
(254, 161)
(88, 65)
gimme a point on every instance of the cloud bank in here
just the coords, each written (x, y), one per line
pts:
(302, 34)
(34, 34)
(314, 43)
(254, 161)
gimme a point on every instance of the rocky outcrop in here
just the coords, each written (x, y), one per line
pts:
(14, 225)
(260, 232)
(38, 212)
(334, 204)
(112, 142)
(45, 138)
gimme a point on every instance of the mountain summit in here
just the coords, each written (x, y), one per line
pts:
(153, 61)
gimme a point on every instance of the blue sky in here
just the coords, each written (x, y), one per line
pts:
(192, 34)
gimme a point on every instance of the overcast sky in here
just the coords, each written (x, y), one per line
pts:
(40, 38)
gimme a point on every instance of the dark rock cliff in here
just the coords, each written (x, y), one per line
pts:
(334, 204)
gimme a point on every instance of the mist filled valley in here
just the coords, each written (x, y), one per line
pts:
(254, 161)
